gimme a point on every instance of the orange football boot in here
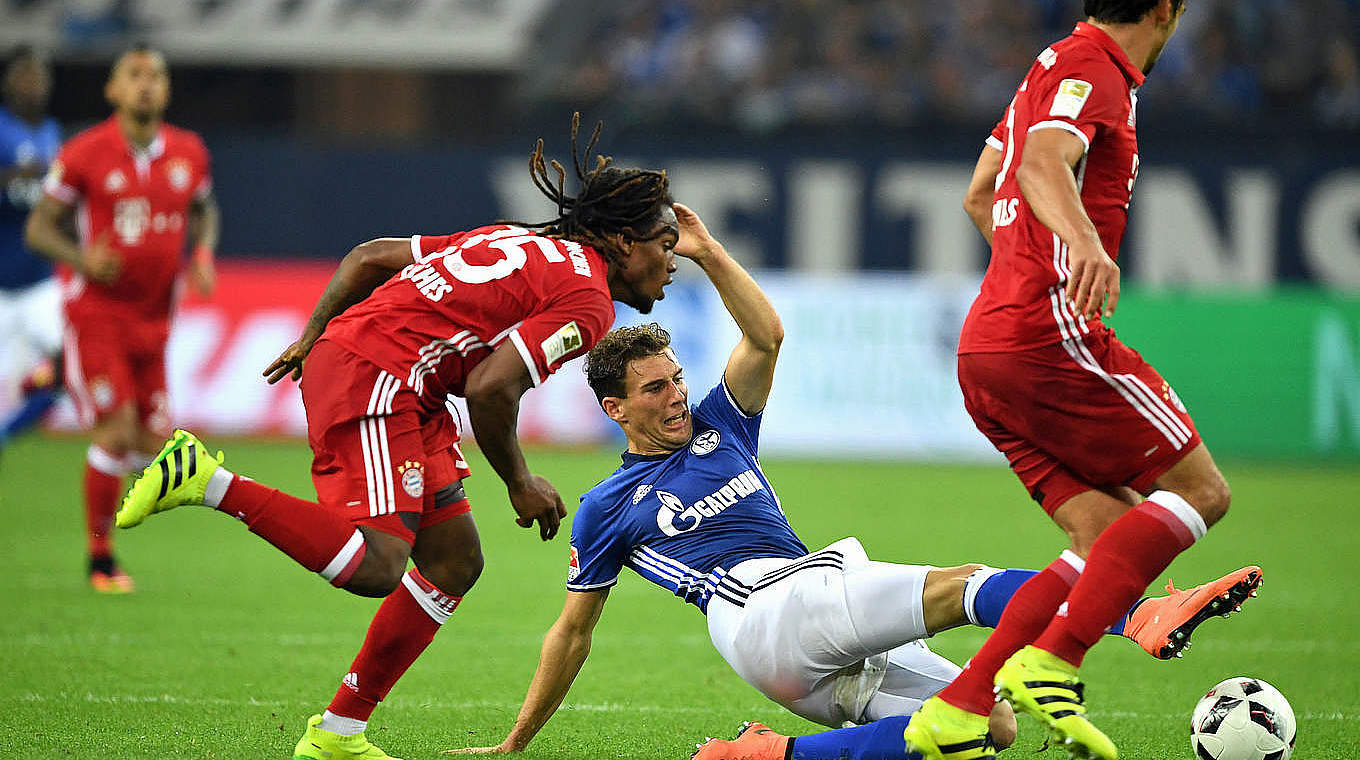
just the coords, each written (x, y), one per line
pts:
(1162, 625)
(755, 741)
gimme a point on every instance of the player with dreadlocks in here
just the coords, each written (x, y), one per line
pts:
(405, 323)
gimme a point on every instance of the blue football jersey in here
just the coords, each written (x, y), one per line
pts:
(22, 145)
(682, 520)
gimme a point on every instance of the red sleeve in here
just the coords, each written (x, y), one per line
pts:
(1082, 98)
(65, 180)
(568, 328)
(424, 245)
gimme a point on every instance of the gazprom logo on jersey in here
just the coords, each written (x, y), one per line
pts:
(674, 518)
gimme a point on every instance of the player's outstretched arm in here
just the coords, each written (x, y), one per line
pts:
(1050, 189)
(982, 191)
(750, 369)
(493, 391)
(361, 271)
(565, 649)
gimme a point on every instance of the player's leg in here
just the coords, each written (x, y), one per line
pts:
(448, 561)
(37, 310)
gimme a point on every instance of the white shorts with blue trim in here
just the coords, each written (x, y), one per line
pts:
(834, 636)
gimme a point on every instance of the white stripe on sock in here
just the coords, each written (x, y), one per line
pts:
(1073, 560)
(346, 553)
(104, 462)
(136, 461)
(428, 600)
(1173, 503)
(970, 591)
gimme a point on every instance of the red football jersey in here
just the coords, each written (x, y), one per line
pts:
(138, 199)
(1086, 85)
(466, 294)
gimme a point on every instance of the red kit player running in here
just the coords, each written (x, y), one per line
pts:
(1095, 434)
(485, 315)
(138, 187)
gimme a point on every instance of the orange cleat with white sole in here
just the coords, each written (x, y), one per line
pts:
(1162, 625)
(755, 741)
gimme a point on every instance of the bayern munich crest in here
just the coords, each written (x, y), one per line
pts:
(412, 478)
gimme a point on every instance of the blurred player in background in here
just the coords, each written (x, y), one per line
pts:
(1096, 435)
(831, 635)
(30, 299)
(138, 188)
(486, 315)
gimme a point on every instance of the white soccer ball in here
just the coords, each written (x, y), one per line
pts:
(1243, 719)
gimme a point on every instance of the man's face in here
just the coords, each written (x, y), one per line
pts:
(650, 264)
(654, 413)
(27, 88)
(140, 85)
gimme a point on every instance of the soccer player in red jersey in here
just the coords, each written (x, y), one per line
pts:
(406, 322)
(1096, 435)
(138, 189)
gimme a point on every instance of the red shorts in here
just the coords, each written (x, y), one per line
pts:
(377, 451)
(1077, 415)
(111, 362)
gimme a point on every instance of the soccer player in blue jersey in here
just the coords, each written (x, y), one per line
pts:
(830, 635)
(30, 300)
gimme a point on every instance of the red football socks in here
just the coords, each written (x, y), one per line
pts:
(1026, 614)
(320, 540)
(103, 488)
(404, 626)
(1129, 555)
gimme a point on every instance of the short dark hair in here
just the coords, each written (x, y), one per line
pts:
(1123, 11)
(607, 363)
(608, 200)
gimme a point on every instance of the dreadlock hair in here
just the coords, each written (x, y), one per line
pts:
(608, 200)
(607, 363)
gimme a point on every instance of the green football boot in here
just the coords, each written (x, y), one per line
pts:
(178, 475)
(320, 744)
(1046, 687)
(941, 731)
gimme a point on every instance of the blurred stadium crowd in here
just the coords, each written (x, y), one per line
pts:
(755, 65)
(762, 64)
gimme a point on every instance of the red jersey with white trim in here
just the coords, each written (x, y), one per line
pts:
(1084, 84)
(139, 201)
(466, 294)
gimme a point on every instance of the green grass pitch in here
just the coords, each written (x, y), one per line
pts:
(227, 646)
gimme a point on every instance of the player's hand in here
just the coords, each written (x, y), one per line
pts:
(289, 362)
(537, 501)
(695, 241)
(504, 748)
(203, 275)
(1093, 286)
(100, 262)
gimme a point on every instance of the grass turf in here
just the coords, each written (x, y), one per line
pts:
(227, 646)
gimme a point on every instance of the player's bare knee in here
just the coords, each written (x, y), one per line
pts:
(1001, 724)
(1212, 498)
(379, 572)
(454, 572)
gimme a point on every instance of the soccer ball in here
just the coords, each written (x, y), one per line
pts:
(1243, 719)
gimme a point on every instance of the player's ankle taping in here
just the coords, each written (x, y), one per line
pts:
(339, 724)
(217, 487)
(1188, 516)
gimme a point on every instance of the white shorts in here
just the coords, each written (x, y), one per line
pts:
(834, 636)
(32, 316)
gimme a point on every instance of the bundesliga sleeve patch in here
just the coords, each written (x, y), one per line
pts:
(564, 341)
(1071, 98)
